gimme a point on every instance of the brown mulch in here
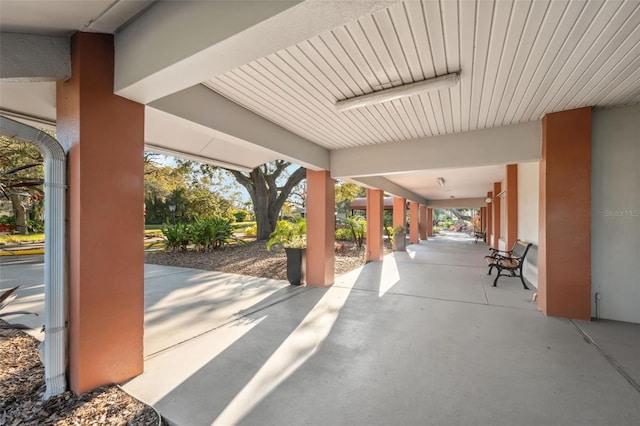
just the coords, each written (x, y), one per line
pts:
(22, 373)
(22, 388)
(251, 259)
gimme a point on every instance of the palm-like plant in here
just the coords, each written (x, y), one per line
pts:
(289, 235)
(358, 225)
(5, 299)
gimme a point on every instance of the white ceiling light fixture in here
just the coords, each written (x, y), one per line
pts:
(398, 92)
(440, 181)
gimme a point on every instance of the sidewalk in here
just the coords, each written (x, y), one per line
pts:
(21, 249)
(421, 338)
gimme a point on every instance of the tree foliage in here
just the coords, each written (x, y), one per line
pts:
(185, 184)
(21, 180)
(346, 192)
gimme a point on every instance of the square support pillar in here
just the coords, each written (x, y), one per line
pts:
(375, 224)
(414, 238)
(399, 212)
(489, 219)
(496, 215)
(104, 136)
(565, 215)
(429, 222)
(511, 204)
(321, 228)
(483, 218)
(423, 222)
(399, 216)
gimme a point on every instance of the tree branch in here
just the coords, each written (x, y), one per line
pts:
(295, 178)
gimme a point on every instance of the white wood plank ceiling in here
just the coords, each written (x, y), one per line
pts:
(517, 61)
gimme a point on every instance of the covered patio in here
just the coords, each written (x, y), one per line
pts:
(422, 336)
(527, 110)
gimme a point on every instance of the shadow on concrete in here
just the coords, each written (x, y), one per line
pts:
(388, 345)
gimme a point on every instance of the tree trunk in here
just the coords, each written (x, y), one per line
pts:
(457, 213)
(263, 221)
(20, 213)
(265, 194)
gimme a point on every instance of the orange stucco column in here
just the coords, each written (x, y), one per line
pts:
(489, 218)
(321, 228)
(414, 238)
(399, 214)
(375, 223)
(483, 219)
(429, 222)
(399, 211)
(104, 135)
(511, 204)
(423, 222)
(496, 216)
(564, 253)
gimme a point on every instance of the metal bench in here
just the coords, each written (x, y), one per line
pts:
(481, 235)
(510, 261)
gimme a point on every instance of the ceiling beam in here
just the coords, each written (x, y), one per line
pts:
(198, 40)
(231, 122)
(378, 182)
(34, 58)
(169, 134)
(472, 203)
(499, 145)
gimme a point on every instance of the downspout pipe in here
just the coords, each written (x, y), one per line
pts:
(55, 269)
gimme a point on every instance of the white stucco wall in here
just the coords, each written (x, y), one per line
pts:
(615, 213)
(528, 201)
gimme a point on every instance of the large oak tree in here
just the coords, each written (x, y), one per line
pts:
(269, 186)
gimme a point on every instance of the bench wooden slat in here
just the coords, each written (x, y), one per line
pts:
(511, 261)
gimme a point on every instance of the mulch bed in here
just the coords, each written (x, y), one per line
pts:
(251, 259)
(22, 388)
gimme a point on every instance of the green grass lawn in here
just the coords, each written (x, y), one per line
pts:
(243, 225)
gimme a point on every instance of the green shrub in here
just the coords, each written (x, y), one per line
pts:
(251, 231)
(35, 226)
(343, 234)
(289, 234)
(177, 237)
(221, 232)
(210, 234)
(395, 231)
(7, 220)
(240, 215)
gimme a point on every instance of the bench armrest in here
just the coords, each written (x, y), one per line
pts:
(496, 252)
(503, 257)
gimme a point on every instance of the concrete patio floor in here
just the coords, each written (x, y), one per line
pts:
(420, 338)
